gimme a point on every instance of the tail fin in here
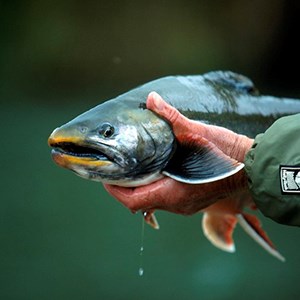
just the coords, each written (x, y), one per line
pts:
(252, 226)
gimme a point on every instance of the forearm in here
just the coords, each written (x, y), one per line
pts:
(278, 149)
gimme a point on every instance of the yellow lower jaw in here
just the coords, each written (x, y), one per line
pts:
(67, 161)
(86, 160)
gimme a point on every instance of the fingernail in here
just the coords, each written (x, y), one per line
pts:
(157, 101)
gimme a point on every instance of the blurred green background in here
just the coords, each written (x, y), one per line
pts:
(65, 238)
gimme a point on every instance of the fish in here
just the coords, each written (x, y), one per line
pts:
(120, 142)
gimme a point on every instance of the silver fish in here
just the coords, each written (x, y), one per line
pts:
(120, 142)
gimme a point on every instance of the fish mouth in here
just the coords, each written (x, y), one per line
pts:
(85, 152)
(72, 153)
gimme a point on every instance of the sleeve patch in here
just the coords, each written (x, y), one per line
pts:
(290, 179)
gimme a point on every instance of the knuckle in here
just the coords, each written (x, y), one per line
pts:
(173, 116)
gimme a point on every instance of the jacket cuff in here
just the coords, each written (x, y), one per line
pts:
(277, 147)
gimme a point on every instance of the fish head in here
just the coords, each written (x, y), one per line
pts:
(116, 142)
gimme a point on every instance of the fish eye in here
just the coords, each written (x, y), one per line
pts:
(106, 130)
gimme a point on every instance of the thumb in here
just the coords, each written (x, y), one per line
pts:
(179, 123)
(156, 103)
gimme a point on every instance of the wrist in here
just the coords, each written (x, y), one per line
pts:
(237, 185)
(241, 147)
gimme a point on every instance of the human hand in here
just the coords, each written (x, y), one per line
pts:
(181, 198)
(230, 143)
(177, 197)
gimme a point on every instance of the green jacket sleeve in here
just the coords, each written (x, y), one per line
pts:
(273, 169)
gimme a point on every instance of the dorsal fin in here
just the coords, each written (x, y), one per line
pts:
(231, 80)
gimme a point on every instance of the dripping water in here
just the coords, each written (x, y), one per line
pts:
(141, 267)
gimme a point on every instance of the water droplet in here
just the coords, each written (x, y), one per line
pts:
(141, 269)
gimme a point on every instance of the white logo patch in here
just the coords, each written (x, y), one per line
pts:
(290, 179)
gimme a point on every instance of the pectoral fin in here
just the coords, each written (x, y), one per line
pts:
(150, 219)
(218, 229)
(200, 162)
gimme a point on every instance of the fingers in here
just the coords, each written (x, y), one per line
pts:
(166, 194)
(143, 198)
(232, 144)
(183, 127)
